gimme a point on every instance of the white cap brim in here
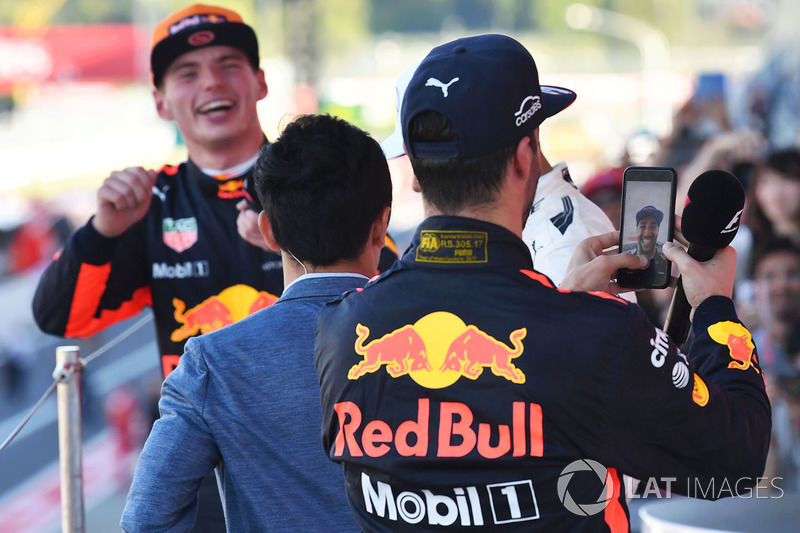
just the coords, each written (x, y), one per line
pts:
(392, 146)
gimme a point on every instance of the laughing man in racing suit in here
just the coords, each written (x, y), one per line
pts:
(168, 239)
(462, 390)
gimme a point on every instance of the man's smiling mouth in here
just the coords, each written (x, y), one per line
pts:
(216, 105)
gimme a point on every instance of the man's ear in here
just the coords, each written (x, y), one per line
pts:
(263, 88)
(379, 227)
(525, 154)
(266, 230)
(161, 107)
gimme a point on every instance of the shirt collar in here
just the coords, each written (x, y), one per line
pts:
(236, 170)
(317, 275)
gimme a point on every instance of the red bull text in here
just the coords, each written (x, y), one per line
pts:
(457, 432)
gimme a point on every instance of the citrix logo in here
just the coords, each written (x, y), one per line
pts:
(586, 509)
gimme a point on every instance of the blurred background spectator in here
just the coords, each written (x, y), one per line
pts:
(770, 101)
(31, 238)
(774, 209)
(605, 189)
(776, 274)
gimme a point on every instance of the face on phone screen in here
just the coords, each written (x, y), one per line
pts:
(648, 203)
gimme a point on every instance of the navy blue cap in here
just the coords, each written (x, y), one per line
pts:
(488, 86)
(650, 211)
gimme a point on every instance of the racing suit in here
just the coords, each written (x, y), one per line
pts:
(462, 390)
(560, 218)
(185, 259)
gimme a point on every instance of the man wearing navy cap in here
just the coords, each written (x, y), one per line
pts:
(561, 216)
(462, 390)
(648, 223)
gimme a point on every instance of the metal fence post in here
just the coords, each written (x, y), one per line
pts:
(70, 432)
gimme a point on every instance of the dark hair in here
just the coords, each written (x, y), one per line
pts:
(453, 184)
(786, 162)
(770, 247)
(322, 184)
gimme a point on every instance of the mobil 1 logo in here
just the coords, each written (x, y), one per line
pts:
(513, 501)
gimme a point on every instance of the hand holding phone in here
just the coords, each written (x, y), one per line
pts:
(646, 223)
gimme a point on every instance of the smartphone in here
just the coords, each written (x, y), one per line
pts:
(646, 222)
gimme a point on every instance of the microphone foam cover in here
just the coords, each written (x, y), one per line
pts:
(714, 205)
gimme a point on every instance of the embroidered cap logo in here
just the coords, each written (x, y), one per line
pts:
(433, 82)
(523, 115)
(200, 38)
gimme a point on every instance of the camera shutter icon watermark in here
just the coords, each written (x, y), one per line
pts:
(585, 509)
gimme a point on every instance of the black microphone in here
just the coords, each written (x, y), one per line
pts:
(710, 220)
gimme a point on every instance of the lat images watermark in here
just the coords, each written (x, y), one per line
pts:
(662, 488)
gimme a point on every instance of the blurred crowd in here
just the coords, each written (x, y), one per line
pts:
(756, 138)
(30, 239)
(30, 233)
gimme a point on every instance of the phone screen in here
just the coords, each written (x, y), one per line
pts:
(646, 223)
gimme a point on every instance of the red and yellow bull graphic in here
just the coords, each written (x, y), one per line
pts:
(215, 312)
(699, 392)
(402, 351)
(437, 350)
(739, 341)
(231, 189)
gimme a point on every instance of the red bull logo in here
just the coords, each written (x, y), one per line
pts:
(699, 392)
(739, 342)
(215, 312)
(474, 350)
(231, 189)
(459, 431)
(437, 350)
(401, 351)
